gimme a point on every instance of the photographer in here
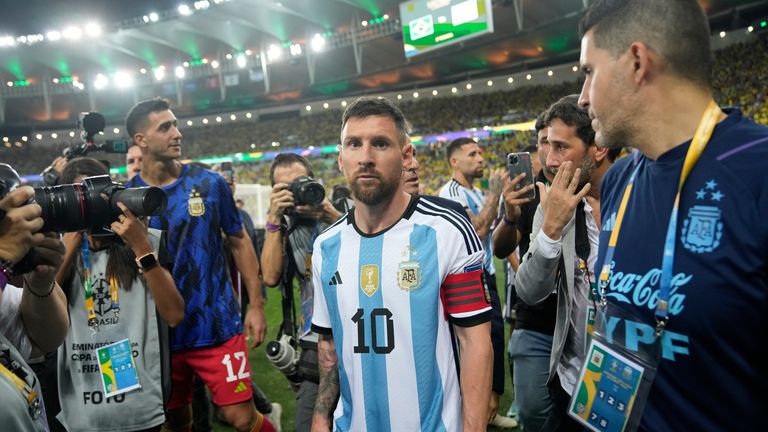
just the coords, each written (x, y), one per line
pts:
(33, 319)
(116, 290)
(291, 229)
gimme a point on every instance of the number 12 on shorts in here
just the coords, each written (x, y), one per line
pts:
(242, 373)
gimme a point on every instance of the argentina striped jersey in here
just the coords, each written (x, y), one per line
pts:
(389, 300)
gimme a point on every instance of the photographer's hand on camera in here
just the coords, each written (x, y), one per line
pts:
(280, 200)
(19, 226)
(324, 212)
(132, 231)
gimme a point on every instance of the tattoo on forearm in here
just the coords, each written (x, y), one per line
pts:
(328, 390)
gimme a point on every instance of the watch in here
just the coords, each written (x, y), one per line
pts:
(147, 261)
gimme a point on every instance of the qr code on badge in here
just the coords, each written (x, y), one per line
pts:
(597, 358)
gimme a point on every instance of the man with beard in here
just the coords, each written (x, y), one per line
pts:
(685, 217)
(467, 163)
(563, 247)
(394, 279)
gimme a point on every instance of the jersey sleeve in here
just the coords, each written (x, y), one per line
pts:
(454, 194)
(230, 219)
(464, 291)
(321, 322)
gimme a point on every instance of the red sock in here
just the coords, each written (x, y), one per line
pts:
(263, 425)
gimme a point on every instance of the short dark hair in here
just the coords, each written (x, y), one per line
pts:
(287, 159)
(455, 145)
(569, 112)
(372, 106)
(530, 149)
(676, 29)
(139, 114)
(82, 166)
(540, 124)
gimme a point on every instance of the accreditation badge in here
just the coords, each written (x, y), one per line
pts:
(118, 368)
(614, 382)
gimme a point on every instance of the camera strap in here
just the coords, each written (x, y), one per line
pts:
(93, 322)
(14, 375)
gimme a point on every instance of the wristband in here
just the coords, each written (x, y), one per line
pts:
(272, 227)
(509, 221)
(53, 285)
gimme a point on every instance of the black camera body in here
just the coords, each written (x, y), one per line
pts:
(307, 191)
(90, 205)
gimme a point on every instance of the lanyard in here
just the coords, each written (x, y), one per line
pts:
(698, 144)
(26, 390)
(93, 322)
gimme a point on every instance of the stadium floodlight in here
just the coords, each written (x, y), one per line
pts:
(180, 72)
(248, 52)
(241, 61)
(39, 136)
(143, 71)
(72, 33)
(123, 79)
(93, 30)
(184, 10)
(399, 97)
(344, 103)
(295, 49)
(185, 64)
(510, 80)
(6, 139)
(454, 90)
(434, 92)
(154, 17)
(160, 73)
(53, 35)
(71, 134)
(145, 18)
(550, 73)
(528, 77)
(100, 82)
(253, 145)
(233, 117)
(215, 64)
(469, 86)
(275, 144)
(750, 29)
(228, 56)
(274, 52)
(55, 80)
(248, 115)
(54, 135)
(24, 138)
(308, 107)
(205, 121)
(575, 68)
(489, 83)
(318, 42)
(9, 83)
(386, 17)
(415, 95)
(7, 41)
(218, 119)
(364, 23)
(203, 4)
(190, 122)
(116, 130)
(325, 105)
(722, 34)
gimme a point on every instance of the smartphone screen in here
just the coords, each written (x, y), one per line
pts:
(228, 172)
(518, 163)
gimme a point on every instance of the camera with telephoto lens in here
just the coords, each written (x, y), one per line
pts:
(307, 191)
(90, 205)
(284, 357)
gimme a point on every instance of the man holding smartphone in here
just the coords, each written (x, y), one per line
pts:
(563, 247)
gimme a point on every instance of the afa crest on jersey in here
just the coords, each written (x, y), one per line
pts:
(703, 227)
(369, 279)
(196, 204)
(409, 276)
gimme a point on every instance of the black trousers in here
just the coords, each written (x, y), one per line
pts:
(497, 335)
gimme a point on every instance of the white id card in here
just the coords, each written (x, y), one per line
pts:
(118, 370)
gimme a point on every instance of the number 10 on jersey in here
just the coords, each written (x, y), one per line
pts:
(377, 318)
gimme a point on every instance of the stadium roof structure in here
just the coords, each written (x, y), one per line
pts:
(61, 58)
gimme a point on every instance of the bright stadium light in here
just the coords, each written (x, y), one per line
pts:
(750, 29)
(325, 105)
(364, 23)
(253, 145)
(722, 34)
(199, 5)
(154, 17)
(510, 80)
(343, 103)
(100, 82)
(318, 42)
(215, 64)
(233, 117)
(434, 92)
(180, 72)
(399, 97)
(550, 73)
(71, 134)
(116, 130)
(185, 64)
(248, 115)
(415, 95)
(241, 61)
(159, 73)
(7, 41)
(184, 10)
(205, 121)
(24, 138)
(528, 77)
(490, 83)
(454, 90)
(248, 52)
(218, 119)
(54, 135)
(9, 83)
(123, 79)
(295, 49)
(145, 18)
(93, 30)
(190, 122)
(308, 107)
(39, 136)
(72, 33)
(53, 35)
(575, 68)
(143, 71)
(469, 86)
(274, 52)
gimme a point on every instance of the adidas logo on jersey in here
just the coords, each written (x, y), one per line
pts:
(336, 279)
(241, 387)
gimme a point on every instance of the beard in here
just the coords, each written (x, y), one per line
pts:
(372, 195)
(586, 172)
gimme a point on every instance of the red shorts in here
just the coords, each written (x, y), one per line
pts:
(225, 370)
